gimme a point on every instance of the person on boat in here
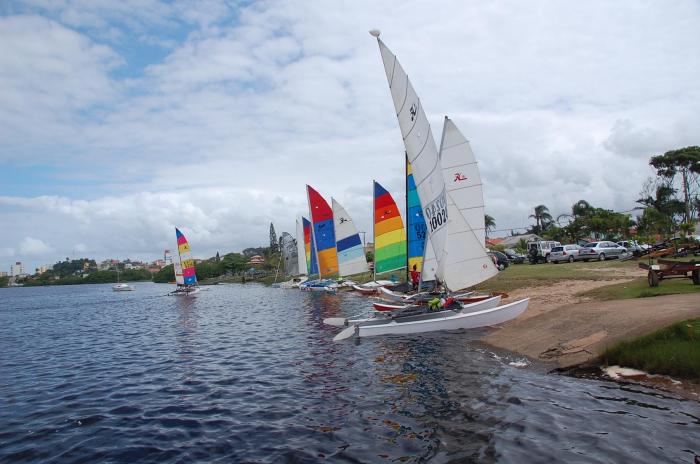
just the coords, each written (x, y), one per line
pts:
(415, 277)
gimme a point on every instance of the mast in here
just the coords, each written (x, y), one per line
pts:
(374, 230)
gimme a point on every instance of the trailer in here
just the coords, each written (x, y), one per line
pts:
(670, 269)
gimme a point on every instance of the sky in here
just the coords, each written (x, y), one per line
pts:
(122, 120)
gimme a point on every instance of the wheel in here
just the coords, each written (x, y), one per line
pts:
(501, 266)
(601, 257)
(571, 259)
(554, 262)
(653, 279)
(696, 277)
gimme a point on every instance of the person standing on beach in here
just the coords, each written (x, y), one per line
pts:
(415, 277)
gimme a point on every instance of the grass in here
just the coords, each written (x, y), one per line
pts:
(535, 275)
(674, 351)
(640, 289)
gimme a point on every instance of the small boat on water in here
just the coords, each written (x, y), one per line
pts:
(183, 264)
(122, 287)
(373, 287)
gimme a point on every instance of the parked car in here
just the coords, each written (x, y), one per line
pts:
(500, 259)
(513, 256)
(632, 246)
(601, 251)
(537, 252)
(564, 253)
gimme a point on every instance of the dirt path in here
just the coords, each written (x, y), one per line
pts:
(579, 331)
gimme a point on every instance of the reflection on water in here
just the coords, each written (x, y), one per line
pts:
(250, 374)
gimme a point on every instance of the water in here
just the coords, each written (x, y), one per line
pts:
(250, 374)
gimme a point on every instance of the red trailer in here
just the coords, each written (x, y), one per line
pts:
(670, 269)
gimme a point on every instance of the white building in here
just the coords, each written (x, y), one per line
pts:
(43, 268)
(3, 274)
(17, 269)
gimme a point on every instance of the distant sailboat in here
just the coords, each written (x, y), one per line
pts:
(183, 264)
(351, 255)
(322, 241)
(120, 286)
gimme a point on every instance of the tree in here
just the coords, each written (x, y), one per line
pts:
(542, 218)
(686, 162)
(489, 223)
(581, 208)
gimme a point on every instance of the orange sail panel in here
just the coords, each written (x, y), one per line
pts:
(323, 233)
(389, 234)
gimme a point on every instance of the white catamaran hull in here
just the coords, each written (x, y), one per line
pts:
(461, 320)
(381, 318)
(188, 292)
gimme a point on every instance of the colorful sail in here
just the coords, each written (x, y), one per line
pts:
(389, 234)
(301, 250)
(309, 249)
(415, 223)
(183, 250)
(420, 149)
(322, 233)
(351, 255)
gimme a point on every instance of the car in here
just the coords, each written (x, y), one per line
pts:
(500, 260)
(632, 246)
(513, 256)
(601, 251)
(564, 253)
(538, 251)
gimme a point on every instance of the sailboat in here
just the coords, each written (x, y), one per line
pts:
(301, 265)
(389, 240)
(323, 243)
(460, 255)
(185, 276)
(120, 286)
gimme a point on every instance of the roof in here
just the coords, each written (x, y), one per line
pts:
(515, 239)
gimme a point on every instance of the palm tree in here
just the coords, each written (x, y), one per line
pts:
(489, 223)
(542, 217)
(581, 208)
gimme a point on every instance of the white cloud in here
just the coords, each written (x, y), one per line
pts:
(34, 247)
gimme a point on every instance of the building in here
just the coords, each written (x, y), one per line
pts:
(256, 259)
(511, 242)
(3, 274)
(43, 268)
(17, 270)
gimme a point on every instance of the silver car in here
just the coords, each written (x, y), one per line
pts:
(601, 251)
(564, 253)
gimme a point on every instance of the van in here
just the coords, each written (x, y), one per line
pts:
(538, 251)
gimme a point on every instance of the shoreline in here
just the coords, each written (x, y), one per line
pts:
(570, 337)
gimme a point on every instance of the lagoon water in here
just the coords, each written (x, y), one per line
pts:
(245, 373)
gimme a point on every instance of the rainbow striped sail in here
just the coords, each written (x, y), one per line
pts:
(323, 234)
(389, 234)
(310, 250)
(186, 262)
(415, 223)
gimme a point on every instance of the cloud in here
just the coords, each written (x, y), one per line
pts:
(241, 106)
(34, 247)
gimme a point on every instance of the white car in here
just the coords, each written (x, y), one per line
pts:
(564, 253)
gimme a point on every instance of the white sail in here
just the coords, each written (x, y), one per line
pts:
(179, 279)
(351, 254)
(464, 260)
(289, 254)
(301, 251)
(420, 148)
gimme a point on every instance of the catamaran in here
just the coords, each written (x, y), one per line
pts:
(323, 243)
(460, 254)
(185, 276)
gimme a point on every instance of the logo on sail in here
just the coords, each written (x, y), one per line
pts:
(413, 110)
(460, 177)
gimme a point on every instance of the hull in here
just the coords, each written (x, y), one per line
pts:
(464, 298)
(122, 288)
(461, 320)
(385, 317)
(188, 292)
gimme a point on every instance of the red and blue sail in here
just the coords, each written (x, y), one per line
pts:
(323, 233)
(309, 248)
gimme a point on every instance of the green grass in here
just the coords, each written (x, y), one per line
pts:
(534, 275)
(674, 351)
(640, 289)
